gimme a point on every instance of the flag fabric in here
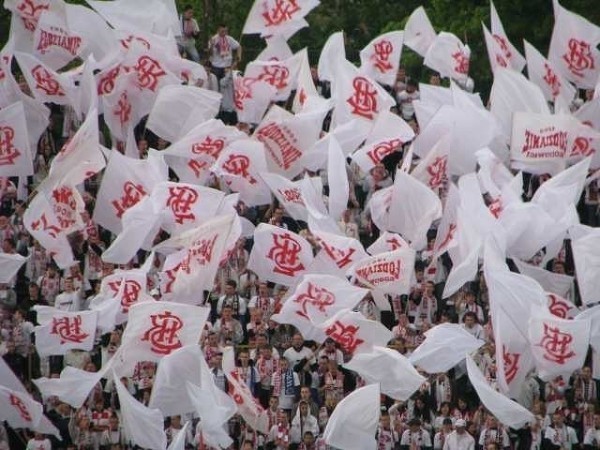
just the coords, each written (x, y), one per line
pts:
(280, 74)
(9, 266)
(354, 332)
(337, 174)
(389, 272)
(395, 374)
(337, 255)
(46, 85)
(444, 347)
(418, 32)
(128, 287)
(496, 54)
(288, 194)
(449, 56)
(15, 152)
(142, 425)
(559, 346)
(251, 98)
(387, 242)
(561, 307)
(573, 48)
(278, 18)
(587, 262)
(332, 53)
(354, 421)
(433, 169)
(21, 411)
(507, 411)
(510, 54)
(72, 387)
(156, 329)
(66, 331)
(557, 283)
(248, 407)
(380, 59)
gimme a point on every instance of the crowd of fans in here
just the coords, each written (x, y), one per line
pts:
(298, 382)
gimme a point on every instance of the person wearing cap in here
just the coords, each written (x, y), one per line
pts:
(459, 439)
(493, 433)
(415, 438)
(440, 437)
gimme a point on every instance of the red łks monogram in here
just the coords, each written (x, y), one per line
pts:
(132, 194)
(163, 335)
(106, 84)
(30, 13)
(292, 195)
(285, 254)
(149, 72)
(364, 98)
(201, 252)
(345, 335)
(552, 80)
(556, 345)
(181, 200)
(20, 406)
(65, 206)
(383, 51)
(316, 296)
(579, 57)
(8, 152)
(131, 293)
(437, 171)
(511, 364)
(68, 329)
(383, 149)
(282, 11)
(341, 257)
(45, 82)
(51, 230)
(276, 76)
(558, 307)
(238, 165)
(123, 109)
(503, 45)
(209, 146)
(461, 62)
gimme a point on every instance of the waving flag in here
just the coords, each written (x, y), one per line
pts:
(449, 56)
(432, 171)
(394, 372)
(337, 255)
(282, 75)
(332, 53)
(587, 262)
(279, 255)
(380, 59)
(54, 43)
(215, 409)
(278, 17)
(21, 411)
(251, 98)
(339, 187)
(46, 85)
(496, 54)
(9, 266)
(128, 287)
(66, 331)
(306, 88)
(510, 54)
(15, 153)
(389, 272)
(73, 387)
(573, 48)
(288, 194)
(418, 32)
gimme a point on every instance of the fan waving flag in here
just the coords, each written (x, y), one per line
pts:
(380, 59)
(66, 331)
(279, 255)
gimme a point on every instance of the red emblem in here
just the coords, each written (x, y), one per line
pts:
(292, 195)
(461, 62)
(65, 206)
(345, 336)
(131, 293)
(556, 345)
(238, 165)
(242, 91)
(364, 98)
(437, 171)
(201, 252)
(171, 274)
(30, 13)
(579, 57)
(163, 335)
(8, 152)
(496, 208)
(51, 230)
(316, 296)
(106, 84)
(383, 50)
(149, 72)
(449, 236)
(20, 406)
(45, 82)
(68, 329)
(551, 79)
(197, 166)
(501, 61)
(126, 43)
(383, 149)
(276, 76)
(582, 146)
(285, 254)
(341, 257)
(503, 44)
(209, 146)
(282, 11)
(181, 200)
(132, 194)
(511, 364)
(558, 306)
(123, 109)
(301, 96)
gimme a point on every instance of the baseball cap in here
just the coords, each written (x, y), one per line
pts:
(460, 423)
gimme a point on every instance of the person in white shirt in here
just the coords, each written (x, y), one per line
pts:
(493, 433)
(302, 422)
(39, 442)
(405, 100)
(189, 32)
(298, 351)
(471, 325)
(559, 436)
(69, 299)
(440, 437)
(459, 439)
(415, 438)
(592, 437)
(221, 47)
(330, 352)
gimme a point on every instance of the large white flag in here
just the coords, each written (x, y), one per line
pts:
(46, 85)
(66, 331)
(73, 387)
(16, 158)
(559, 346)
(354, 421)
(337, 255)
(418, 32)
(380, 59)
(251, 98)
(393, 371)
(389, 272)
(449, 56)
(279, 255)
(586, 254)
(495, 52)
(156, 329)
(248, 406)
(142, 425)
(282, 75)
(10, 265)
(511, 55)
(21, 411)
(557, 283)
(54, 42)
(573, 47)
(278, 17)
(507, 411)
(332, 53)
(337, 174)
(288, 194)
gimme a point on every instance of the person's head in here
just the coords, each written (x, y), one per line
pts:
(278, 214)
(303, 407)
(492, 422)
(222, 30)
(263, 289)
(244, 357)
(230, 287)
(384, 420)
(68, 284)
(282, 417)
(470, 319)
(297, 341)
(414, 425)
(435, 79)
(284, 364)
(445, 408)
(273, 402)
(308, 439)
(176, 421)
(305, 393)
(188, 12)
(226, 312)
(447, 424)
(558, 267)
(113, 422)
(460, 426)
(247, 445)
(586, 373)
(469, 296)
(597, 420)
(462, 404)
(558, 419)
(411, 86)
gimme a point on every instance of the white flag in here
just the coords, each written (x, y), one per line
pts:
(511, 55)
(251, 98)
(586, 254)
(387, 242)
(21, 411)
(507, 411)
(282, 75)
(557, 283)
(432, 170)
(338, 253)
(573, 48)
(559, 346)
(332, 53)
(380, 59)
(54, 42)
(66, 331)
(354, 421)
(496, 54)
(389, 272)
(418, 32)
(46, 85)
(395, 374)
(278, 17)
(16, 158)
(288, 194)
(337, 174)
(73, 387)
(449, 56)
(279, 255)
(9, 266)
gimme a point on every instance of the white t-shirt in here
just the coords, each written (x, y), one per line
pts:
(455, 441)
(44, 444)
(564, 437)
(294, 356)
(222, 49)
